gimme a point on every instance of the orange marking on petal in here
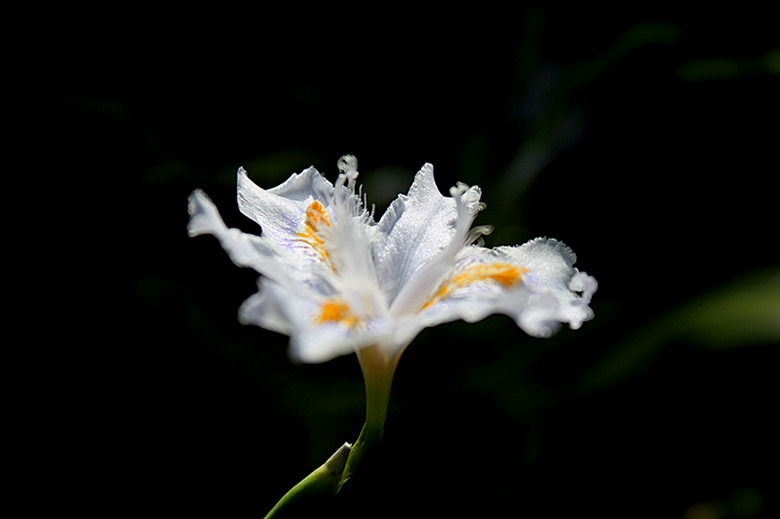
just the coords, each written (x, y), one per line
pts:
(315, 218)
(337, 311)
(505, 274)
(315, 215)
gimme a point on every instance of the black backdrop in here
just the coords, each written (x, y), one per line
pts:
(644, 140)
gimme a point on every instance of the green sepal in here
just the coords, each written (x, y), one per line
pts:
(366, 443)
(315, 489)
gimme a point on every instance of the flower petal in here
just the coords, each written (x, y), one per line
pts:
(415, 229)
(292, 265)
(312, 338)
(245, 250)
(264, 308)
(279, 211)
(535, 283)
(327, 341)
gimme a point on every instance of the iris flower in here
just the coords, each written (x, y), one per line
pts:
(337, 281)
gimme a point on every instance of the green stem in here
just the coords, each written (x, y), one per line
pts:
(314, 489)
(326, 480)
(378, 370)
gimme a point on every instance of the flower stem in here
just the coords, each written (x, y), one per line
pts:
(327, 480)
(378, 370)
(314, 489)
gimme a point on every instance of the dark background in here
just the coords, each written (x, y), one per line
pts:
(647, 141)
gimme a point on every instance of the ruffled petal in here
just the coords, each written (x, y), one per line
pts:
(246, 250)
(416, 228)
(288, 215)
(535, 284)
(327, 341)
(294, 265)
(281, 211)
(313, 337)
(265, 308)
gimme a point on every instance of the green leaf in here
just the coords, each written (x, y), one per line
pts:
(742, 312)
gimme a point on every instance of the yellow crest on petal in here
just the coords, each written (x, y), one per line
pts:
(316, 220)
(505, 274)
(336, 311)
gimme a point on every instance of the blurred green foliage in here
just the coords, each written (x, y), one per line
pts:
(744, 312)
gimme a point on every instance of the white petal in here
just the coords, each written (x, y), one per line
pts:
(415, 229)
(265, 308)
(280, 210)
(309, 342)
(550, 292)
(294, 265)
(327, 341)
(245, 250)
(294, 312)
(281, 213)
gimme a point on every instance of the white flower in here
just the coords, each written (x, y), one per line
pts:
(337, 281)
